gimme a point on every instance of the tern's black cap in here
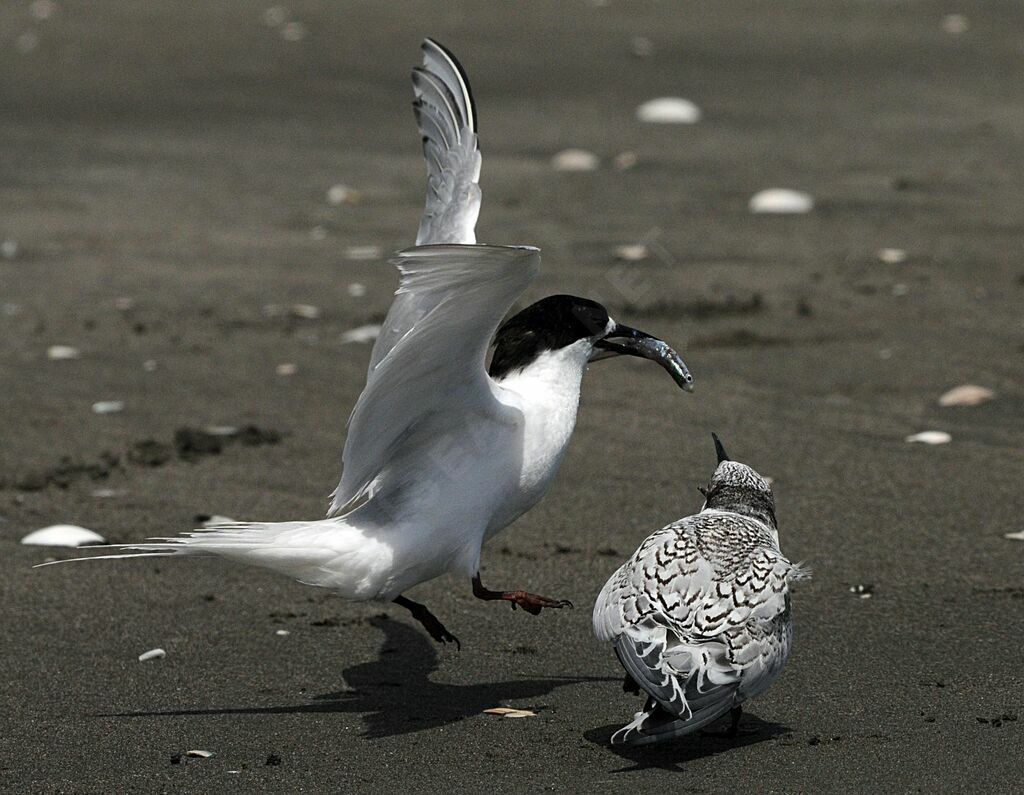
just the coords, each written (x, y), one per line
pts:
(551, 323)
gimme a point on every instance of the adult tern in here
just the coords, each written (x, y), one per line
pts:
(443, 451)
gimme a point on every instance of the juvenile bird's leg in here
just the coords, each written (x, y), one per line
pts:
(428, 620)
(735, 713)
(530, 602)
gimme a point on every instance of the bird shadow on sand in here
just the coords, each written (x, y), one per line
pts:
(672, 755)
(394, 694)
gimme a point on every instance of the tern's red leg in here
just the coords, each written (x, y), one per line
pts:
(428, 620)
(530, 602)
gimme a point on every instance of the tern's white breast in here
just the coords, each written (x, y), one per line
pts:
(547, 396)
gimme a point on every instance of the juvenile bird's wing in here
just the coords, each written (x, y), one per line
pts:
(458, 295)
(446, 118)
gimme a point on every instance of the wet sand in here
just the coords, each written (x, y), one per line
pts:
(180, 157)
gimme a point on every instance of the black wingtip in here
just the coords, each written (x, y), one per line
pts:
(719, 449)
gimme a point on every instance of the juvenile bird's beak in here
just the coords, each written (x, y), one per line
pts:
(719, 450)
(623, 340)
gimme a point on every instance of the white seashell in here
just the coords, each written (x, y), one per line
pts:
(287, 369)
(363, 253)
(342, 194)
(966, 395)
(357, 290)
(108, 406)
(62, 352)
(366, 333)
(955, 23)
(152, 654)
(1018, 536)
(200, 754)
(669, 110)
(307, 311)
(781, 200)
(62, 535)
(221, 430)
(891, 256)
(632, 253)
(930, 437)
(282, 632)
(575, 160)
(105, 493)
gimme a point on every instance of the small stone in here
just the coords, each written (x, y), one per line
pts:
(11, 309)
(108, 406)
(930, 437)
(124, 303)
(62, 352)
(149, 365)
(641, 47)
(221, 430)
(864, 591)
(342, 194)
(287, 369)
(362, 334)
(575, 160)
(153, 654)
(955, 24)
(9, 249)
(42, 9)
(966, 395)
(885, 353)
(900, 290)
(200, 754)
(293, 31)
(357, 290)
(275, 16)
(891, 256)
(104, 494)
(624, 161)
(282, 632)
(318, 233)
(669, 110)
(26, 43)
(781, 201)
(363, 253)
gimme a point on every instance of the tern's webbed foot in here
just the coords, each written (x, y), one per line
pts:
(530, 602)
(429, 621)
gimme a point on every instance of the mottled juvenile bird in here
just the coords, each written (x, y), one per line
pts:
(699, 616)
(443, 450)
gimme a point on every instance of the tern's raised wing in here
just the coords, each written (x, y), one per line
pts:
(447, 120)
(458, 295)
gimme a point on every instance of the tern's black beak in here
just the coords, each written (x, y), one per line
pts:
(623, 340)
(719, 450)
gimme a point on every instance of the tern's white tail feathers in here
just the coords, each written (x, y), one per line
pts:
(329, 553)
(446, 117)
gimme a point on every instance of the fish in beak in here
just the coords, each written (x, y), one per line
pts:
(626, 341)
